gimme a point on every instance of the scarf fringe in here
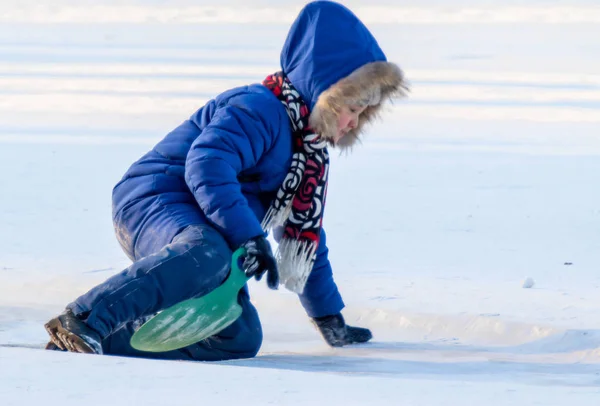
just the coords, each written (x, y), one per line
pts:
(276, 217)
(295, 260)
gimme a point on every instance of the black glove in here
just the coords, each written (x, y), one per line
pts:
(337, 333)
(259, 259)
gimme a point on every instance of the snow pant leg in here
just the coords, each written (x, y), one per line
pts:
(242, 339)
(196, 262)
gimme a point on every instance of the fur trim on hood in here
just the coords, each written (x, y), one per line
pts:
(370, 85)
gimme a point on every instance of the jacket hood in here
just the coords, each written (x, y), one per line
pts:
(332, 59)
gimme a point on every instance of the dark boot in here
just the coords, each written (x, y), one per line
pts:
(68, 332)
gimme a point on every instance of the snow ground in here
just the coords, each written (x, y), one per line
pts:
(485, 176)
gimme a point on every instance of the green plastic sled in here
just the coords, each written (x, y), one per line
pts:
(195, 319)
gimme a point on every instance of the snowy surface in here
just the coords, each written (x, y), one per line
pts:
(486, 176)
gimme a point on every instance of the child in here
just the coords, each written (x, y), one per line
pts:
(253, 159)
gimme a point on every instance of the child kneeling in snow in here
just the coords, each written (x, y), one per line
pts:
(253, 159)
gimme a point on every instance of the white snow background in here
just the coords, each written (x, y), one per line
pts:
(487, 175)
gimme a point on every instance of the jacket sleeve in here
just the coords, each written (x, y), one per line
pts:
(321, 296)
(237, 136)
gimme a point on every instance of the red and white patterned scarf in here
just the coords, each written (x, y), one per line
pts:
(300, 200)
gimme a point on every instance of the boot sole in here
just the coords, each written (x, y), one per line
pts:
(53, 347)
(64, 339)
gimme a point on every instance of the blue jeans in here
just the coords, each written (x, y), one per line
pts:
(196, 262)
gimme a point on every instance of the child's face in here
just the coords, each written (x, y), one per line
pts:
(348, 120)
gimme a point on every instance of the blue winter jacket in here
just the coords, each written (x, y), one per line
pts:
(224, 164)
